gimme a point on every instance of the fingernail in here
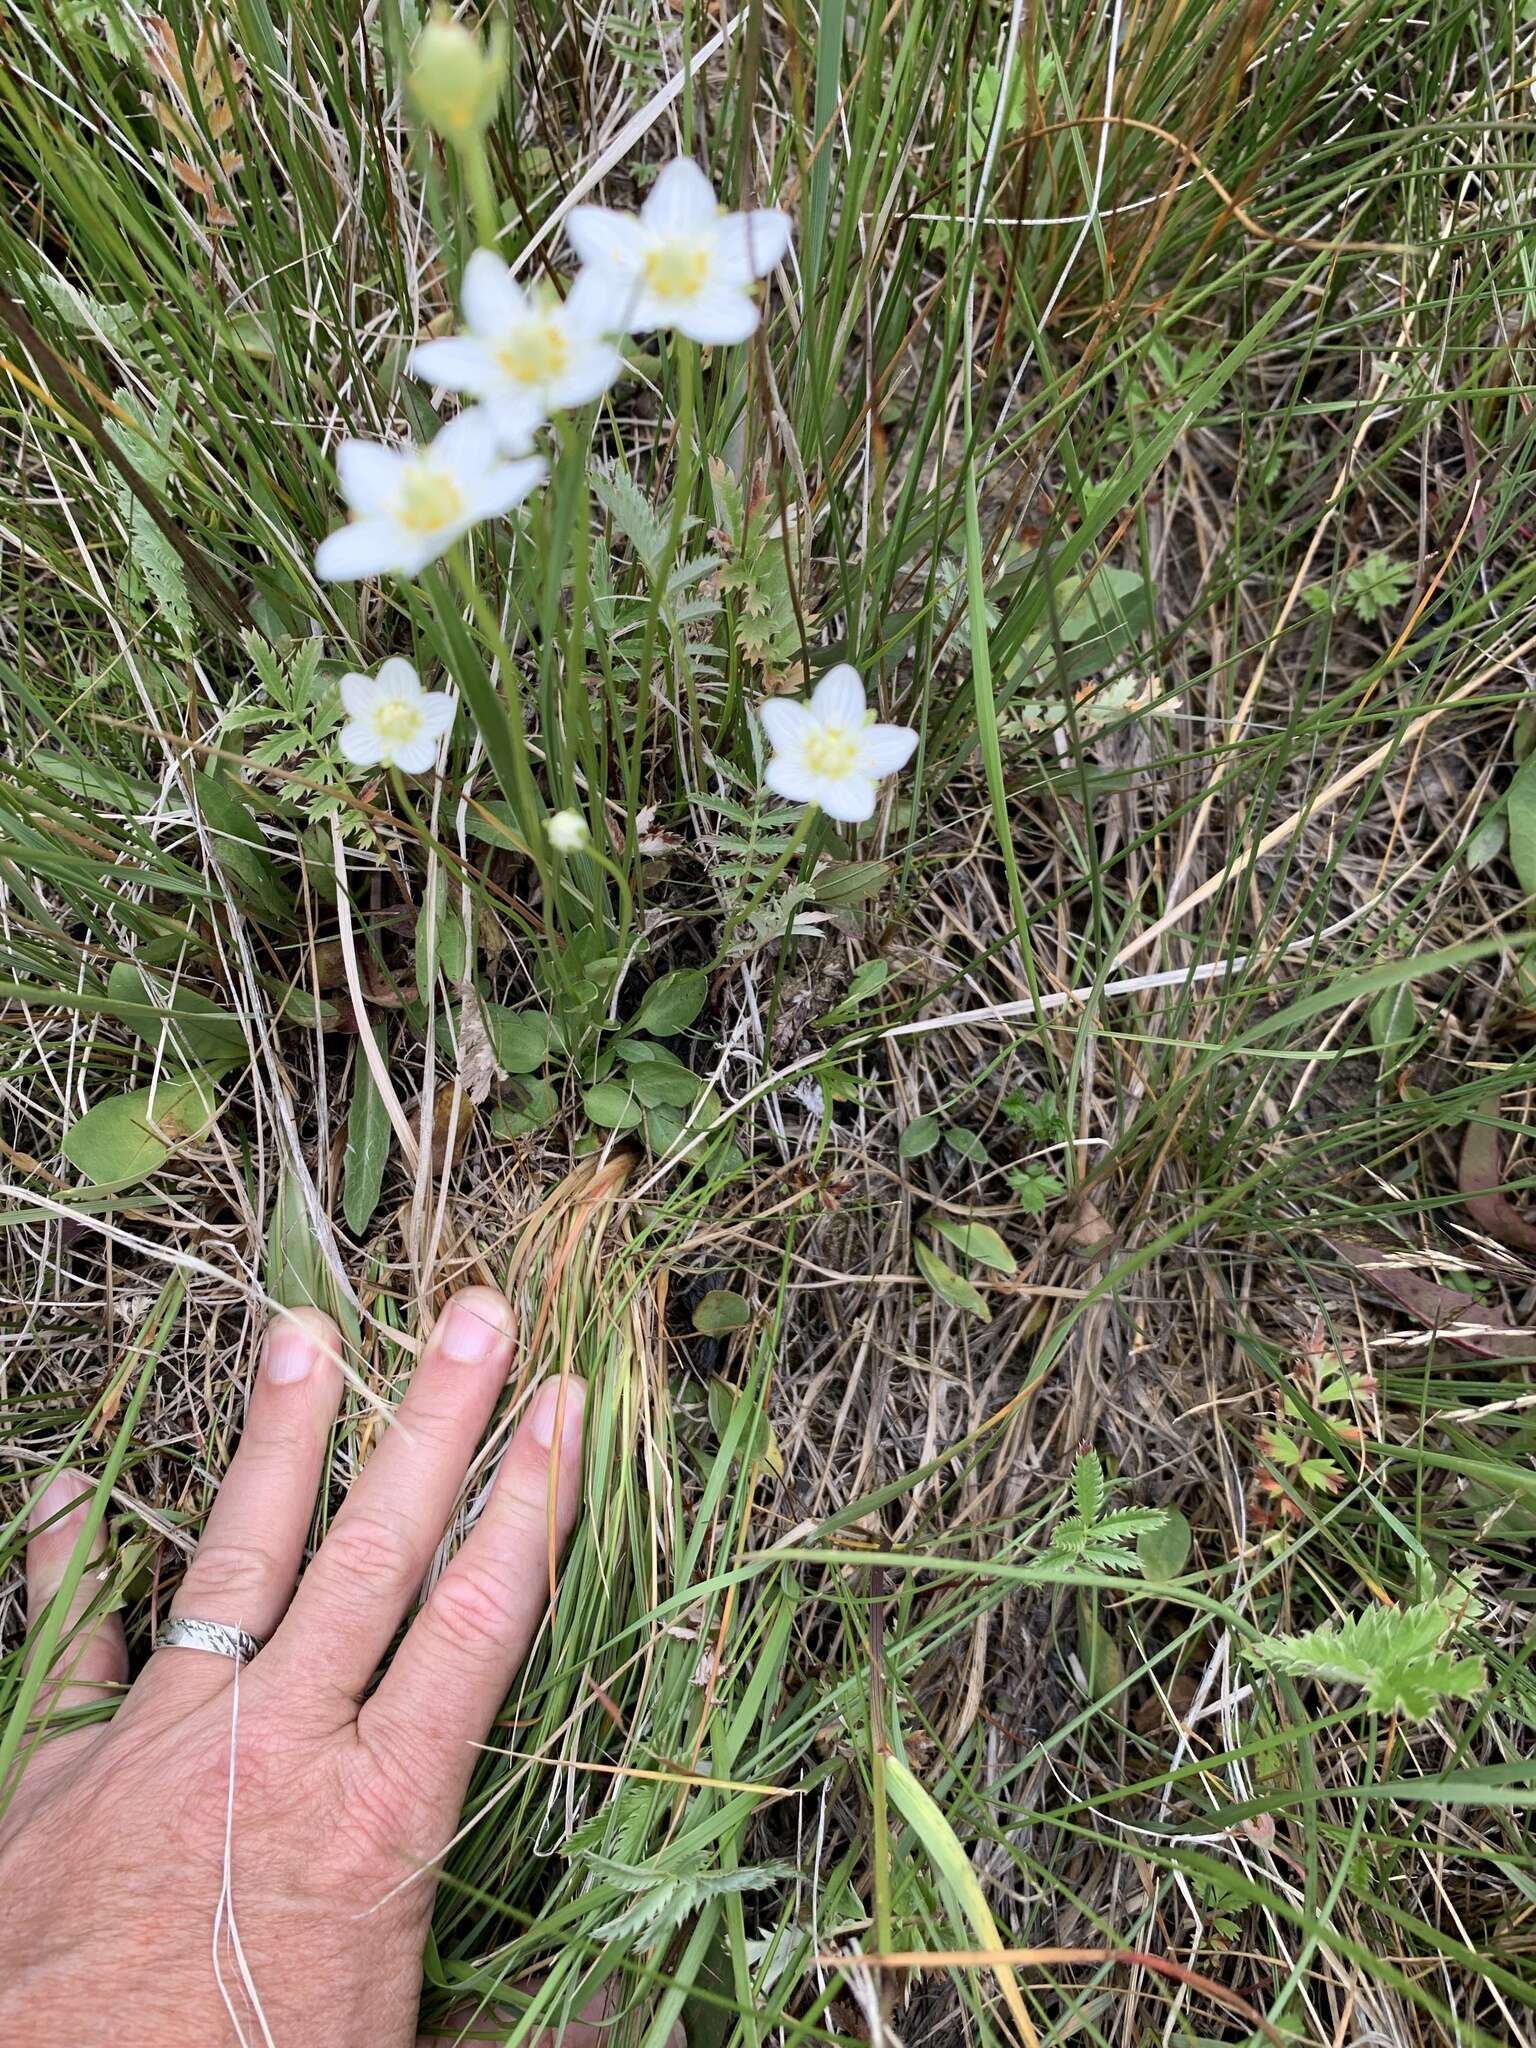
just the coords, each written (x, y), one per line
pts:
(65, 1495)
(544, 1415)
(474, 1328)
(291, 1351)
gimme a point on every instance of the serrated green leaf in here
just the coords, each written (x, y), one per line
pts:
(951, 1286)
(672, 1002)
(129, 1136)
(1391, 1653)
(978, 1242)
(367, 1152)
(1089, 1488)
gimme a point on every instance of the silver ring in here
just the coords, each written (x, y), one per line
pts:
(224, 1641)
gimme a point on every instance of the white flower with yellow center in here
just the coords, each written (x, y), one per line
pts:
(523, 357)
(409, 505)
(683, 263)
(392, 722)
(831, 752)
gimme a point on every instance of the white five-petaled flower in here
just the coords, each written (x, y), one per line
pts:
(392, 722)
(410, 505)
(830, 751)
(683, 263)
(523, 357)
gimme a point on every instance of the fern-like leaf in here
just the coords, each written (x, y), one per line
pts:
(1393, 1654)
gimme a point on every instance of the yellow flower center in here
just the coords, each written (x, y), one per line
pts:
(677, 269)
(397, 722)
(832, 751)
(534, 352)
(428, 500)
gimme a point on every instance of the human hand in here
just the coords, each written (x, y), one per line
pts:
(256, 1864)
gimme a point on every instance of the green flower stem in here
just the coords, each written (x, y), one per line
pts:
(474, 159)
(808, 820)
(524, 792)
(686, 358)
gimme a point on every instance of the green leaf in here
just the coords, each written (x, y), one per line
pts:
(1392, 1653)
(1520, 804)
(720, 1310)
(241, 850)
(1487, 840)
(978, 1242)
(966, 1145)
(672, 1002)
(129, 1136)
(1394, 1017)
(948, 1284)
(537, 1106)
(665, 1087)
(920, 1136)
(612, 1107)
(873, 975)
(1164, 1551)
(198, 1029)
(1089, 1487)
(521, 1038)
(368, 1134)
(934, 1838)
(1103, 1667)
(442, 940)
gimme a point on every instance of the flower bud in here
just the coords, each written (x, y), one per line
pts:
(456, 79)
(567, 831)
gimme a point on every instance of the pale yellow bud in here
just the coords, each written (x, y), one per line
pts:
(456, 79)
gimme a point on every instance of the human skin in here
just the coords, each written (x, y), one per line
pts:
(113, 1842)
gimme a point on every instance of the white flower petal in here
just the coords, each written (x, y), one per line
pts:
(457, 362)
(507, 485)
(516, 418)
(418, 755)
(465, 447)
(838, 698)
(885, 748)
(787, 723)
(488, 297)
(360, 743)
(607, 240)
(396, 679)
(748, 245)
(358, 694)
(369, 474)
(788, 779)
(719, 313)
(369, 547)
(593, 367)
(848, 798)
(588, 308)
(436, 709)
(681, 198)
